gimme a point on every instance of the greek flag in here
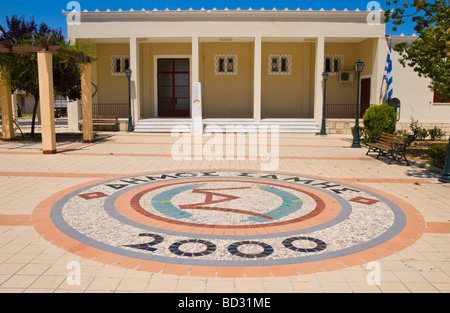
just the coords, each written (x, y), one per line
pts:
(388, 75)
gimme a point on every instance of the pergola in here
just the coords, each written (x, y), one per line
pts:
(46, 96)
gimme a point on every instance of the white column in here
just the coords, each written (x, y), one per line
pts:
(196, 110)
(195, 60)
(135, 81)
(380, 55)
(318, 87)
(196, 106)
(257, 81)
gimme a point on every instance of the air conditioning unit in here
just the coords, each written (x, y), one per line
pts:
(346, 77)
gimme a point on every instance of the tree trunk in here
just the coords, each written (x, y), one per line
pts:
(33, 120)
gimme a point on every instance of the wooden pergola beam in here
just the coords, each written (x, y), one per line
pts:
(86, 99)
(25, 49)
(78, 57)
(46, 98)
(5, 48)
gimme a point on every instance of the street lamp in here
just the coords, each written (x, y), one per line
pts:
(445, 178)
(128, 73)
(323, 131)
(359, 66)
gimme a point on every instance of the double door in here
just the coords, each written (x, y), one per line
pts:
(173, 87)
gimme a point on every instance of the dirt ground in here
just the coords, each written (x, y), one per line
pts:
(419, 150)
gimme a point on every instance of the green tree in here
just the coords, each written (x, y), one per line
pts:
(429, 54)
(23, 69)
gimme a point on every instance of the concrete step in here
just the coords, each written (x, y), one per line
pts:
(285, 126)
(289, 122)
(165, 122)
(236, 121)
(163, 125)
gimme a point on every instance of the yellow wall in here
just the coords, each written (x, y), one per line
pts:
(345, 93)
(227, 96)
(111, 89)
(288, 96)
(367, 55)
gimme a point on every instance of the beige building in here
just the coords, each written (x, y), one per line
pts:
(254, 67)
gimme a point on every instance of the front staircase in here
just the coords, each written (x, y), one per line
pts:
(163, 125)
(306, 127)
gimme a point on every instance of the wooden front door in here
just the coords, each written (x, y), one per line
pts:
(365, 95)
(174, 97)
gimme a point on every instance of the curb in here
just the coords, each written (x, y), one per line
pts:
(431, 168)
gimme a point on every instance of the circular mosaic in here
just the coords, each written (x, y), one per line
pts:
(231, 204)
(227, 218)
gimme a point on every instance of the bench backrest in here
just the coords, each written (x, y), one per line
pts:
(106, 118)
(389, 139)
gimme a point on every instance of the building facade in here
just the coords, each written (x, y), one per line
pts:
(252, 66)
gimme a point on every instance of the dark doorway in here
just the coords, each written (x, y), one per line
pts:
(173, 87)
(365, 95)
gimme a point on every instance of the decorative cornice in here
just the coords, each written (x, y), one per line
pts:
(226, 14)
(402, 39)
(225, 10)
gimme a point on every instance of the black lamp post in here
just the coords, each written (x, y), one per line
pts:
(359, 66)
(128, 73)
(445, 178)
(323, 131)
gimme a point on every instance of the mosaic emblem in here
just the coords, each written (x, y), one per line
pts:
(227, 218)
(220, 203)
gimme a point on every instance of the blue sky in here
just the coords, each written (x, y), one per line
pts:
(50, 11)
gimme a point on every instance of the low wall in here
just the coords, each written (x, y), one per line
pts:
(344, 126)
(444, 126)
(341, 126)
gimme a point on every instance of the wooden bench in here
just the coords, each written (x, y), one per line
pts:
(104, 123)
(389, 145)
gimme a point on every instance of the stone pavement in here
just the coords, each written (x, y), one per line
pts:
(125, 215)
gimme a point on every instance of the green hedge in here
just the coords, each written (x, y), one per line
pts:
(378, 119)
(438, 153)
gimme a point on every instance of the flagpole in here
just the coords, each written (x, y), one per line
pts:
(381, 90)
(385, 70)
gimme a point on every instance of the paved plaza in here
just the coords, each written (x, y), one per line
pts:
(137, 213)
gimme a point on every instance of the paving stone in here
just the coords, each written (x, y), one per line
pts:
(253, 221)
